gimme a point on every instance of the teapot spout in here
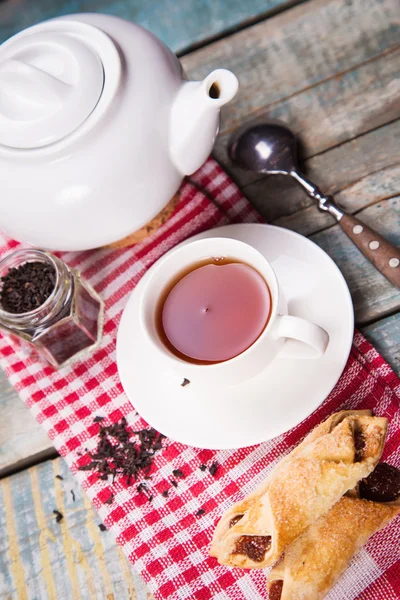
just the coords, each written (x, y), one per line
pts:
(195, 118)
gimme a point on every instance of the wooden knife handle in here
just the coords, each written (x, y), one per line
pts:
(383, 255)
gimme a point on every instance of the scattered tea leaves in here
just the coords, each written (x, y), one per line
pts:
(118, 454)
(174, 483)
(89, 467)
(164, 494)
(59, 516)
(200, 512)
(110, 500)
(60, 477)
(178, 473)
(73, 495)
(102, 527)
(98, 419)
(214, 468)
(143, 489)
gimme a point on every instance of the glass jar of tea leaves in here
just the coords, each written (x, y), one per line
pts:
(48, 305)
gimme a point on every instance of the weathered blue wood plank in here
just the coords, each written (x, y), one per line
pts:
(21, 437)
(327, 67)
(179, 23)
(41, 559)
(385, 336)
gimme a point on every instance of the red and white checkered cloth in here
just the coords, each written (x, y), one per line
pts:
(164, 539)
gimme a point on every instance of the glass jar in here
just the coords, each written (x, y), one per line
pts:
(68, 325)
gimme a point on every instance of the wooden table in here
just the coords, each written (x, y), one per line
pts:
(330, 68)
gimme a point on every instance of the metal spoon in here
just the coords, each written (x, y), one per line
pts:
(271, 148)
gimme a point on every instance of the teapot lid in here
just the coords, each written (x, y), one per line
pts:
(52, 76)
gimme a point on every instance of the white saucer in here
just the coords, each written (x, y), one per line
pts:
(279, 397)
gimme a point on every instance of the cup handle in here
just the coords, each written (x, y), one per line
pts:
(313, 336)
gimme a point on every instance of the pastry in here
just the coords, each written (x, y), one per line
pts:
(315, 561)
(331, 460)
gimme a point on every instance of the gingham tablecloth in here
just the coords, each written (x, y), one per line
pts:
(164, 539)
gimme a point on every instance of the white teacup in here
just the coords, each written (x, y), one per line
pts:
(313, 339)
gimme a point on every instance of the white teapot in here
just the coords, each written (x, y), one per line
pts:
(97, 130)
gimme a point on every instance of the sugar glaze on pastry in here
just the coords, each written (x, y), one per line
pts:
(316, 560)
(331, 460)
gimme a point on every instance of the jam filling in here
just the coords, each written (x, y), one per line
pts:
(275, 591)
(235, 520)
(253, 546)
(359, 445)
(382, 485)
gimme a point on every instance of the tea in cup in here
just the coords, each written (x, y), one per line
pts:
(213, 311)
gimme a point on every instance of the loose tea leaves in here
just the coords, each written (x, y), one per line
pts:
(118, 454)
(102, 527)
(143, 489)
(200, 512)
(59, 516)
(178, 473)
(213, 469)
(27, 287)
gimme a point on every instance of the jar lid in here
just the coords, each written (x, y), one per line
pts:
(51, 78)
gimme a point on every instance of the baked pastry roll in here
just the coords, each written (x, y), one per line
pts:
(303, 486)
(315, 561)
